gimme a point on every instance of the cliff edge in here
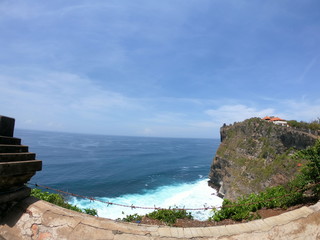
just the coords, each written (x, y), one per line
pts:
(255, 154)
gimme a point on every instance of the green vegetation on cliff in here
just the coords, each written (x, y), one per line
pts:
(58, 199)
(313, 125)
(245, 207)
(256, 154)
(310, 173)
(294, 192)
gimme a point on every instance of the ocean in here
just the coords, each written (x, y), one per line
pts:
(134, 171)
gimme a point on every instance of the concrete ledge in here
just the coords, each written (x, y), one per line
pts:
(15, 157)
(8, 183)
(17, 195)
(4, 148)
(10, 140)
(16, 168)
(36, 219)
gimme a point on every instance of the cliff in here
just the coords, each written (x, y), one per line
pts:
(255, 154)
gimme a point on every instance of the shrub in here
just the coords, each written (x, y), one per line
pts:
(278, 196)
(90, 211)
(132, 218)
(313, 125)
(310, 172)
(170, 216)
(246, 206)
(58, 199)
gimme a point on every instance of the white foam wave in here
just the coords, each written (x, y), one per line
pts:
(188, 195)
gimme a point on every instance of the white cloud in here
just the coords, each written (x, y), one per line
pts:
(206, 124)
(63, 88)
(148, 132)
(22, 10)
(235, 113)
(226, 114)
(55, 100)
(307, 69)
(303, 110)
(167, 118)
(196, 124)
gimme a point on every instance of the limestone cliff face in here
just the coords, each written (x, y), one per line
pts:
(255, 154)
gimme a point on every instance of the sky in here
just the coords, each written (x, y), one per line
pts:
(169, 68)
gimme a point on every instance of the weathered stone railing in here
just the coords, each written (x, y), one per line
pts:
(31, 219)
(17, 165)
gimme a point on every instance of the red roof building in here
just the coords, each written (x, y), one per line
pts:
(266, 118)
(276, 120)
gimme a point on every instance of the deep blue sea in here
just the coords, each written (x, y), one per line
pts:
(140, 171)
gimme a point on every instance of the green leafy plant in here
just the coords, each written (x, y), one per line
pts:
(244, 208)
(90, 211)
(313, 125)
(310, 171)
(278, 196)
(58, 199)
(132, 218)
(170, 216)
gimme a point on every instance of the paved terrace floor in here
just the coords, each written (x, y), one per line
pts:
(36, 219)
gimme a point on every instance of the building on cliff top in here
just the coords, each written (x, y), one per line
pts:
(276, 120)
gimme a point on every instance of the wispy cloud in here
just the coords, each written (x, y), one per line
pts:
(59, 96)
(301, 110)
(170, 67)
(307, 69)
(21, 10)
(233, 113)
(168, 118)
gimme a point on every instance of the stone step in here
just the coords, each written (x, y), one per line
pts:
(10, 140)
(16, 168)
(8, 183)
(4, 148)
(15, 157)
(20, 194)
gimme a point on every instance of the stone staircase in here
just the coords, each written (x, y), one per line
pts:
(17, 165)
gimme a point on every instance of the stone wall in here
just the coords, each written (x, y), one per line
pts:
(32, 219)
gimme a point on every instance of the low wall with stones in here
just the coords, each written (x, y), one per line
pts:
(36, 219)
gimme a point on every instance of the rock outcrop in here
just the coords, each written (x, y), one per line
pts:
(255, 154)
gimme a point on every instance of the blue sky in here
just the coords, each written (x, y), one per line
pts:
(169, 68)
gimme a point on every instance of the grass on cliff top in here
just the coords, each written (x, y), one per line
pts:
(304, 186)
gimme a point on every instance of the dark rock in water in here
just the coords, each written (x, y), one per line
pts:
(255, 154)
